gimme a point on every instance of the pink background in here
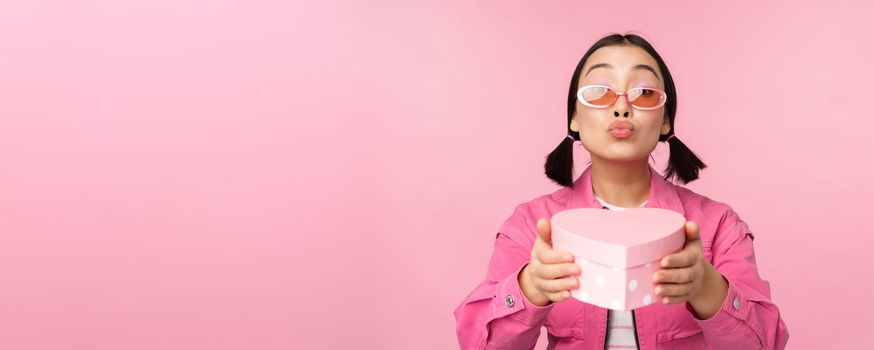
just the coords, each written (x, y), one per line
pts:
(278, 175)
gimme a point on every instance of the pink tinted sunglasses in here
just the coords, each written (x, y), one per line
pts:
(602, 96)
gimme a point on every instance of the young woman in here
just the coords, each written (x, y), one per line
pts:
(621, 103)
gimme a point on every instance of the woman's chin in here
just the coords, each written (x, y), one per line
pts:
(622, 155)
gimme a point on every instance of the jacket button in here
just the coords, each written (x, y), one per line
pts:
(510, 301)
(736, 303)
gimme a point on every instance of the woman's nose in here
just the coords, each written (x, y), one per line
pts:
(621, 106)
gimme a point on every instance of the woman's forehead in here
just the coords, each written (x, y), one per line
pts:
(621, 60)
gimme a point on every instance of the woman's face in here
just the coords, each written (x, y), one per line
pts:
(627, 67)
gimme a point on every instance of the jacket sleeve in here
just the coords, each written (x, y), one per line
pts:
(748, 319)
(496, 315)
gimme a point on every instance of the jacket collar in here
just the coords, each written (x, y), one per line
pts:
(662, 194)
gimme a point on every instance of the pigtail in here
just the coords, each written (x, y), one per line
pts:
(559, 165)
(683, 163)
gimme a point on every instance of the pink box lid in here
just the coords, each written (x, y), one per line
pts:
(619, 238)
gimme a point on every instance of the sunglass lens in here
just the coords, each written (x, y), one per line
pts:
(645, 98)
(598, 95)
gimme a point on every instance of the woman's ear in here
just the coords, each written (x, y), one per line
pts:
(666, 126)
(574, 125)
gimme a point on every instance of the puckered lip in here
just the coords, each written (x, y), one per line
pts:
(621, 124)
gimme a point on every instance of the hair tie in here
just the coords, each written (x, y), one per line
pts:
(571, 137)
(670, 137)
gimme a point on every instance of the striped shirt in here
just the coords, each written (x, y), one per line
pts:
(620, 326)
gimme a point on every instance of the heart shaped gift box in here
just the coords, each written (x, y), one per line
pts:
(617, 251)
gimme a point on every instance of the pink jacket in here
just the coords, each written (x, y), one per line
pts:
(496, 315)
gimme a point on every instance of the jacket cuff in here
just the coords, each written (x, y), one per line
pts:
(734, 310)
(511, 301)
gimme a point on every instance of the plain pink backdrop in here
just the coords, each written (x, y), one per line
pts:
(289, 175)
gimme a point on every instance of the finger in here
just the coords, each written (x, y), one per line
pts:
(692, 231)
(551, 256)
(557, 285)
(544, 232)
(672, 289)
(553, 271)
(676, 275)
(558, 296)
(675, 299)
(684, 258)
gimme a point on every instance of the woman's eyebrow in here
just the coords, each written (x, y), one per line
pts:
(637, 67)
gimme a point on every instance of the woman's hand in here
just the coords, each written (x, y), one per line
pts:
(551, 274)
(687, 276)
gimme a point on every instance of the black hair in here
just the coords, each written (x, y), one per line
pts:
(682, 164)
